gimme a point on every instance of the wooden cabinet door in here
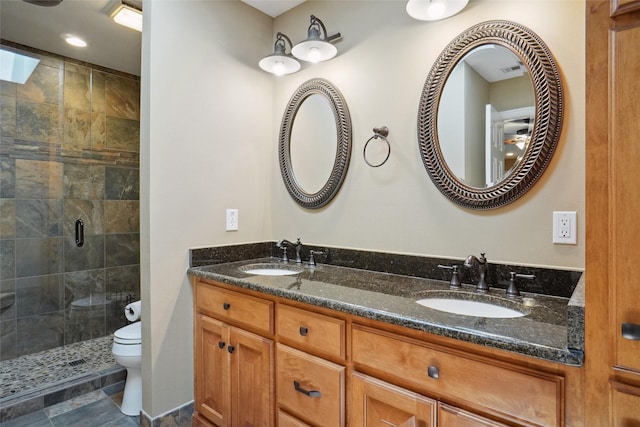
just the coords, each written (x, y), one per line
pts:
(613, 203)
(625, 405)
(625, 185)
(252, 384)
(450, 416)
(374, 403)
(212, 370)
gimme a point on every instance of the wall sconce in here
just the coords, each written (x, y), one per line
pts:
(433, 10)
(128, 15)
(280, 62)
(317, 47)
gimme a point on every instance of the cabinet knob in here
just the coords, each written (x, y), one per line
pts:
(433, 372)
(304, 331)
(231, 349)
(310, 393)
(631, 331)
(226, 306)
(221, 344)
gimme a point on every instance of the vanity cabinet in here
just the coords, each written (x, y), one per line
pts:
(234, 383)
(295, 364)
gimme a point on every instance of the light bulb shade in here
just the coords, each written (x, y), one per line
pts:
(279, 64)
(317, 46)
(314, 50)
(433, 10)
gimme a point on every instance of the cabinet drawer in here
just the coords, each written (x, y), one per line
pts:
(312, 332)
(235, 308)
(309, 387)
(377, 403)
(524, 396)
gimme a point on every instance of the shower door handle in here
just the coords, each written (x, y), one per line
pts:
(79, 233)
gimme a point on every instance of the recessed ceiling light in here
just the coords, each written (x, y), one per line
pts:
(128, 16)
(75, 41)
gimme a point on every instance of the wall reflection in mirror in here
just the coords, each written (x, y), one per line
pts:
(486, 115)
(313, 145)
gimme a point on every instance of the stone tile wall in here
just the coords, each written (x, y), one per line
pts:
(69, 150)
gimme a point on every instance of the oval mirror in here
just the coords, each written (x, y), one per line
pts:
(315, 143)
(490, 115)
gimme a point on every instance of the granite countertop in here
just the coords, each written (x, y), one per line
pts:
(545, 332)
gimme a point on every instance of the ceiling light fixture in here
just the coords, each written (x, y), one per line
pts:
(128, 15)
(317, 47)
(75, 41)
(280, 62)
(433, 10)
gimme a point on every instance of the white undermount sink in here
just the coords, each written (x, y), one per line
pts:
(469, 308)
(267, 269)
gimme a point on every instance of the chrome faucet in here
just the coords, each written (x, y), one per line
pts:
(482, 269)
(283, 245)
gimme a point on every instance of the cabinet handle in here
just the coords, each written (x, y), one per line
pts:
(226, 306)
(231, 349)
(310, 393)
(304, 331)
(221, 344)
(631, 331)
(433, 372)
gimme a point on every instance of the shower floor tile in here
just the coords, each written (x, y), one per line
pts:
(32, 372)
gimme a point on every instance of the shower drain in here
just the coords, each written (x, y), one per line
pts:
(77, 362)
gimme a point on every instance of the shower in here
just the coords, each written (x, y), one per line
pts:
(69, 219)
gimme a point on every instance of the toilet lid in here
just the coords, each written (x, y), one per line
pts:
(129, 332)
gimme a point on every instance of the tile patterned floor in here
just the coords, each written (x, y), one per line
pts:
(29, 373)
(99, 408)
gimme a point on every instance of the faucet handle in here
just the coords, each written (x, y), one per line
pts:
(512, 290)
(285, 257)
(455, 279)
(298, 251)
(312, 260)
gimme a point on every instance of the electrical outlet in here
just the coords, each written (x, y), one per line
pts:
(565, 228)
(232, 219)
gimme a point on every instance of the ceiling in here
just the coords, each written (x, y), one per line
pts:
(109, 45)
(273, 8)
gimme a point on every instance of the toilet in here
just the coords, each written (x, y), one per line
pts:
(127, 351)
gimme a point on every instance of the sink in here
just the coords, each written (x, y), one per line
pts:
(270, 269)
(470, 308)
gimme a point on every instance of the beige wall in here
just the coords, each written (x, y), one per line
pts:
(381, 67)
(207, 117)
(209, 137)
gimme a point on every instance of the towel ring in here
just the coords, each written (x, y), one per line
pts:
(381, 133)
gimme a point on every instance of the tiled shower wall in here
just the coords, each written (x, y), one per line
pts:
(69, 150)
